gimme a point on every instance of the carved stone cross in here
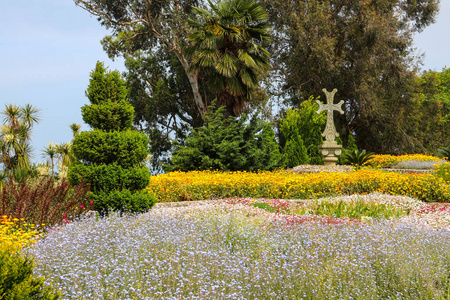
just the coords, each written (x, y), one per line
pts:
(330, 130)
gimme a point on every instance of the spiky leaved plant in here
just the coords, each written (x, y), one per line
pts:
(357, 158)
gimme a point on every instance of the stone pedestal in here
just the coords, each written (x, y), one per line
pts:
(330, 152)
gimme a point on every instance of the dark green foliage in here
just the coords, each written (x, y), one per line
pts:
(351, 143)
(227, 144)
(17, 281)
(43, 200)
(109, 109)
(444, 152)
(267, 152)
(429, 118)
(124, 200)
(109, 177)
(362, 48)
(357, 158)
(294, 152)
(302, 128)
(111, 157)
(126, 148)
(109, 116)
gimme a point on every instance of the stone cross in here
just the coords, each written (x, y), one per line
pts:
(330, 131)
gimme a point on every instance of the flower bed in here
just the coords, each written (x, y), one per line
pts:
(200, 185)
(233, 250)
(388, 161)
(15, 235)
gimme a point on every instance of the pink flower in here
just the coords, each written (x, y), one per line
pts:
(82, 206)
(64, 216)
(92, 202)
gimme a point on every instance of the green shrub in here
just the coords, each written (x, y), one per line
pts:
(124, 200)
(351, 143)
(228, 145)
(303, 126)
(357, 158)
(111, 177)
(294, 152)
(111, 156)
(16, 280)
(109, 116)
(107, 93)
(126, 148)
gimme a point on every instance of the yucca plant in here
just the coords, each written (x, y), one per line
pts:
(357, 158)
(15, 135)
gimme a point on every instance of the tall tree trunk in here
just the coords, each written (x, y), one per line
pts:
(193, 80)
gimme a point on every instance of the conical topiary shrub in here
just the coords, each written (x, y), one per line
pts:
(110, 157)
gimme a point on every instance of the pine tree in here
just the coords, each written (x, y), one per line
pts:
(227, 144)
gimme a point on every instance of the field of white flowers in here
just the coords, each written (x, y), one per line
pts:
(231, 250)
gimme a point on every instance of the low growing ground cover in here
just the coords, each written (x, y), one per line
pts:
(199, 185)
(231, 249)
(390, 161)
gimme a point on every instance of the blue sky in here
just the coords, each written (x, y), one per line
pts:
(49, 47)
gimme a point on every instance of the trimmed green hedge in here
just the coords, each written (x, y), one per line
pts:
(125, 148)
(106, 178)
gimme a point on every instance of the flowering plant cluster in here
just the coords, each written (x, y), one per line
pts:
(233, 250)
(442, 171)
(16, 234)
(200, 185)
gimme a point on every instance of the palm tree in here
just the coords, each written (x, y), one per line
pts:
(15, 135)
(75, 129)
(50, 152)
(64, 152)
(227, 46)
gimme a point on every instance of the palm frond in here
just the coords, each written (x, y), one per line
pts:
(30, 114)
(227, 65)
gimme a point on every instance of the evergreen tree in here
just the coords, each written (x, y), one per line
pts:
(302, 130)
(362, 48)
(228, 144)
(110, 157)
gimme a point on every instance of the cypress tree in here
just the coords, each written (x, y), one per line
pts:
(110, 157)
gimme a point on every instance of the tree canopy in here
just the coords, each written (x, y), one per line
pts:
(182, 54)
(228, 49)
(362, 48)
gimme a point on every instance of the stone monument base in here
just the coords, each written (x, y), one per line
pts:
(330, 153)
